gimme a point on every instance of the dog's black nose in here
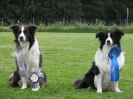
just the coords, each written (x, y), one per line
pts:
(108, 41)
(21, 38)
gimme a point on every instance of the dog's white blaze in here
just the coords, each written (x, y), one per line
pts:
(22, 34)
(109, 39)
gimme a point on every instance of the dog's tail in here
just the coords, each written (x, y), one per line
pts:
(88, 80)
(78, 84)
(13, 79)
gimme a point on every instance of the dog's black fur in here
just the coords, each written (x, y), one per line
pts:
(29, 32)
(88, 80)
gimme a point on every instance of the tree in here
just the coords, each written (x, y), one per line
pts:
(41, 10)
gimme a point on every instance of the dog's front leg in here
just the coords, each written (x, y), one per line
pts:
(99, 83)
(115, 85)
(24, 83)
(36, 87)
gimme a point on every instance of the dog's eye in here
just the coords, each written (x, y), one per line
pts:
(106, 36)
(111, 35)
(19, 32)
(25, 31)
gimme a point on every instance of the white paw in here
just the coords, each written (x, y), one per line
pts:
(35, 89)
(99, 91)
(118, 91)
(24, 87)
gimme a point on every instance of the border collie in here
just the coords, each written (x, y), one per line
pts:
(98, 77)
(27, 54)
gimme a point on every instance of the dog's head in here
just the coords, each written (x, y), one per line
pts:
(110, 37)
(24, 33)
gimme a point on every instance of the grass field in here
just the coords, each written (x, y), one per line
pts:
(66, 56)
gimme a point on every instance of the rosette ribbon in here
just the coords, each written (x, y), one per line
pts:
(114, 71)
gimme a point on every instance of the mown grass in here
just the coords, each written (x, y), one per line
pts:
(66, 56)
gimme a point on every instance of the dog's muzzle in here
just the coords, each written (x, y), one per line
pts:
(108, 42)
(21, 38)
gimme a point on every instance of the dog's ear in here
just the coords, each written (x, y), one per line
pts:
(119, 34)
(14, 29)
(32, 28)
(100, 35)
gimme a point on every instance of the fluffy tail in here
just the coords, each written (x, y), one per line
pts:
(78, 84)
(88, 80)
(13, 79)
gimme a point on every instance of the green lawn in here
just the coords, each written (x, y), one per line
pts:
(66, 56)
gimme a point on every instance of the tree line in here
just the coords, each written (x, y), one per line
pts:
(66, 9)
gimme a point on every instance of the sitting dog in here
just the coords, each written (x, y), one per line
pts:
(98, 77)
(28, 59)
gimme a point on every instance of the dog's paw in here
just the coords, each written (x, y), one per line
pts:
(24, 87)
(118, 91)
(99, 91)
(35, 89)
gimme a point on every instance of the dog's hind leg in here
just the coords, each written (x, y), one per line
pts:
(43, 79)
(36, 87)
(41, 83)
(13, 79)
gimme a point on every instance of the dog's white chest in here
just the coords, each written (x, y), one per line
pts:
(102, 61)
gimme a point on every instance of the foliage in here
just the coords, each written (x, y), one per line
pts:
(64, 9)
(66, 57)
(80, 27)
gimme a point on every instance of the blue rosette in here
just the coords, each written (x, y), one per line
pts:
(115, 72)
(34, 78)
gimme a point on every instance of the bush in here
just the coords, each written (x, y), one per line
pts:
(80, 27)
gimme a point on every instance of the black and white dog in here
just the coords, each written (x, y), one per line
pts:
(98, 77)
(28, 56)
